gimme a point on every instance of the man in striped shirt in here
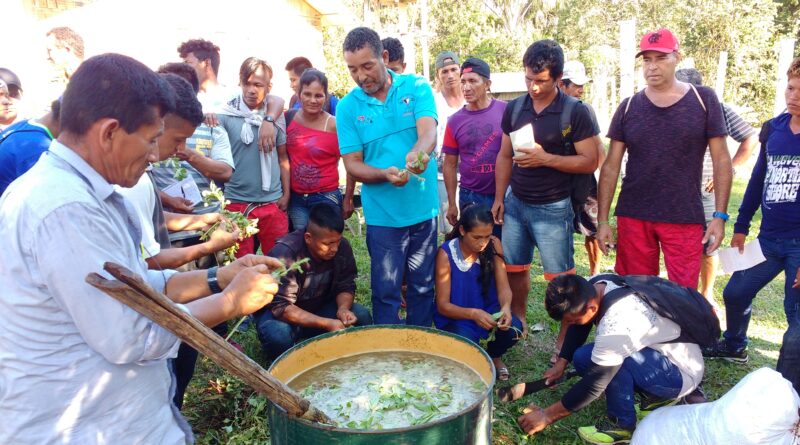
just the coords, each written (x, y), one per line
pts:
(746, 136)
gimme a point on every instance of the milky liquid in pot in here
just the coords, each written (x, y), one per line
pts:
(382, 390)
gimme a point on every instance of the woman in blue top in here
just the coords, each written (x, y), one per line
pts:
(471, 285)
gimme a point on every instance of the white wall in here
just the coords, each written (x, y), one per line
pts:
(152, 30)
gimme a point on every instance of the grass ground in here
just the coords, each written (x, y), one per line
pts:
(224, 411)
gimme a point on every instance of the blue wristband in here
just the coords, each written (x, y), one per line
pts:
(721, 215)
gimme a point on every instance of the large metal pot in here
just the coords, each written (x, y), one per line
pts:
(470, 426)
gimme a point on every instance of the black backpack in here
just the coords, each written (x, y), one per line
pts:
(581, 182)
(684, 306)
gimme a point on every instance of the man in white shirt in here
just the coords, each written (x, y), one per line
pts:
(635, 350)
(78, 366)
(449, 99)
(179, 124)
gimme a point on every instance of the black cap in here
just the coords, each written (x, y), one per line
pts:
(12, 81)
(475, 65)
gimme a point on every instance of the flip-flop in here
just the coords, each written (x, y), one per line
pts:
(502, 374)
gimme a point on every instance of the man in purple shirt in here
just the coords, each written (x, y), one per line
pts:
(665, 129)
(473, 136)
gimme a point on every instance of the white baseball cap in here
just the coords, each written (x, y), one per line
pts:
(575, 72)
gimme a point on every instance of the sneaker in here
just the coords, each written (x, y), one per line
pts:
(721, 350)
(649, 403)
(605, 432)
(696, 396)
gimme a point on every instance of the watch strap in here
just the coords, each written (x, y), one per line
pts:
(211, 277)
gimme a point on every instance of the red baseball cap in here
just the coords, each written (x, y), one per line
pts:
(662, 41)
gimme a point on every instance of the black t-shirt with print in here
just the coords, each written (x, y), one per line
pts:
(542, 185)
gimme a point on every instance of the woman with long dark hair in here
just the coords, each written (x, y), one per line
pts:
(313, 149)
(473, 298)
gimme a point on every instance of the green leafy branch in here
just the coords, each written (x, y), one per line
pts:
(484, 342)
(247, 227)
(277, 274)
(418, 164)
(180, 171)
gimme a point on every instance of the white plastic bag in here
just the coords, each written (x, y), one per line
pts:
(762, 409)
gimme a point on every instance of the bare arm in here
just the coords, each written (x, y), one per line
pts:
(360, 171)
(601, 151)
(607, 185)
(347, 201)
(426, 135)
(178, 256)
(450, 177)
(426, 143)
(451, 185)
(274, 106)
(216, 170)
(175, 203)
(536, 419)
(723, 177)
(502, 177)
(300, 317)
(285, 169)
(609, 175)
(184, 287)
(746, 148)
(178, 222)
(267, 133)
(723, 172)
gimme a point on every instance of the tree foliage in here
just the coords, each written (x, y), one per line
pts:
(498, 31)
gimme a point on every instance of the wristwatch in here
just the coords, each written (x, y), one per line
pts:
(211, 277)
(270, 120)
(721, 215)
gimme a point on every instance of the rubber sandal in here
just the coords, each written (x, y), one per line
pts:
(502, 374)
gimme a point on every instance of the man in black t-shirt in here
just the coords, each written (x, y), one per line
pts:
(538, 209)
(665, 129)
(318, 298)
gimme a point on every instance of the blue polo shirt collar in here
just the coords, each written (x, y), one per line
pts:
(397, 81)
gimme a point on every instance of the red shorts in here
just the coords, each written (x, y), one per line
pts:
(640, 243)
(272, 224)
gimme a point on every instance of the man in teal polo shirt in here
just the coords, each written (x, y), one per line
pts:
(387, 130)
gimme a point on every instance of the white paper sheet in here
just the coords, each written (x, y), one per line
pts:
(732, 261)
(187, 189)
(522, 138)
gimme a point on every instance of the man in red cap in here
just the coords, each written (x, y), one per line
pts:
(665, 129)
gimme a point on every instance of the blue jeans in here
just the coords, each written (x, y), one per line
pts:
(395, 252)
(789, 360)
(503, 340)
(645, 371)
(467, 197)
(278, 336)
(300, 205)
(547, 227)
(783, 255)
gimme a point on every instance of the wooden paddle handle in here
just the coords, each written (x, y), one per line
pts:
(134, 292)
